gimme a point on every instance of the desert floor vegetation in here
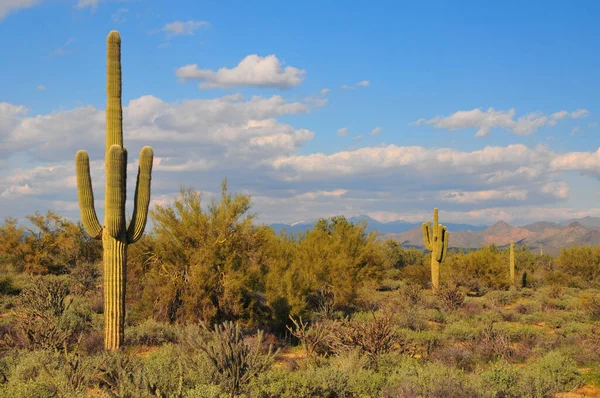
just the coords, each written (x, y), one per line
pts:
(219, 306)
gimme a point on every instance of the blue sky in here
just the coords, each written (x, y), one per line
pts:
(488, 111)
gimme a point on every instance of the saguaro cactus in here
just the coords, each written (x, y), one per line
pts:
(115, 234)
(512, 263)
(435, 239)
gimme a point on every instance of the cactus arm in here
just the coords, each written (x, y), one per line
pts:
(435, 218)
(446, 236)
(115, 191)
(85, 195)
(427, 241)
(142, 196)
(437, 242)
(114, 111)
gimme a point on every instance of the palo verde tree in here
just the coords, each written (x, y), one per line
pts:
(115, 234)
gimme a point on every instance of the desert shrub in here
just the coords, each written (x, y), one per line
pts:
(150, 333)
(502, 380)
(581, 264)
(494, 343)
(374, 337)
(45, 373)
(590, 304)
(450, 297)
(122, 375)
(457, 356)
(413, 318)
(434, 380)
(85, 279)
(234, 359)
(206, 391)
(317, 338)
(7, 286)
(549, 375)
(323, 382)
(45, 317)
(165, 372)
(417, 274)
(461, 331)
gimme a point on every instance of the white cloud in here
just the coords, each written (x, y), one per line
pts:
(253, 70)
(470, 197)
(64, 49)
(88, 3)
(41, 87)
(576, 130)
(183, 28)
(342, 132)
(324, 91)
(484, 121)
(199, 142)
(10, 6)
(579, 113)
(375, 131)
(363, 83)
(587, 162)
(119, 15)
(346, 87)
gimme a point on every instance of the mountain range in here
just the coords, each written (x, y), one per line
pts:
(549, 236)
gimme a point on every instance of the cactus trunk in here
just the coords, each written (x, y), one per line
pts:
(435, 273)
(115, 234)
(115, 261)
(512, 263)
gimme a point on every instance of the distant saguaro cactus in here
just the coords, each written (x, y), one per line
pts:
(512, 264)
(435, 239)
(115, 234)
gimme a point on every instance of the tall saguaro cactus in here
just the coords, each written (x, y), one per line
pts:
(512, 264)
(435, 239)
(115, 234)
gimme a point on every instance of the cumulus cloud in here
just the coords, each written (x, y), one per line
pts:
(182, 28)
(342, 132)
(253, 70)
(363, 83)
(324, 91)
(41, 87)
(375, 131)
(484, 121)
(10, 6)
(199, 142)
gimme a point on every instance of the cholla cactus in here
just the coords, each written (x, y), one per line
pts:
(436, 241)
(115, 234)
(512, 263)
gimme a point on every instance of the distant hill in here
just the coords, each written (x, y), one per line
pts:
(549, 236)
(393, 227)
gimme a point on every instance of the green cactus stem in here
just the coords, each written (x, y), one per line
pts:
(435, 239)
(115, 235)
(512, 263)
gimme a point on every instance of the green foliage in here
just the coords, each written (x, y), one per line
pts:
(151, 333)
(201, 265)
(45, 317)
(549, 375)
(235, 360)
(581, 264)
